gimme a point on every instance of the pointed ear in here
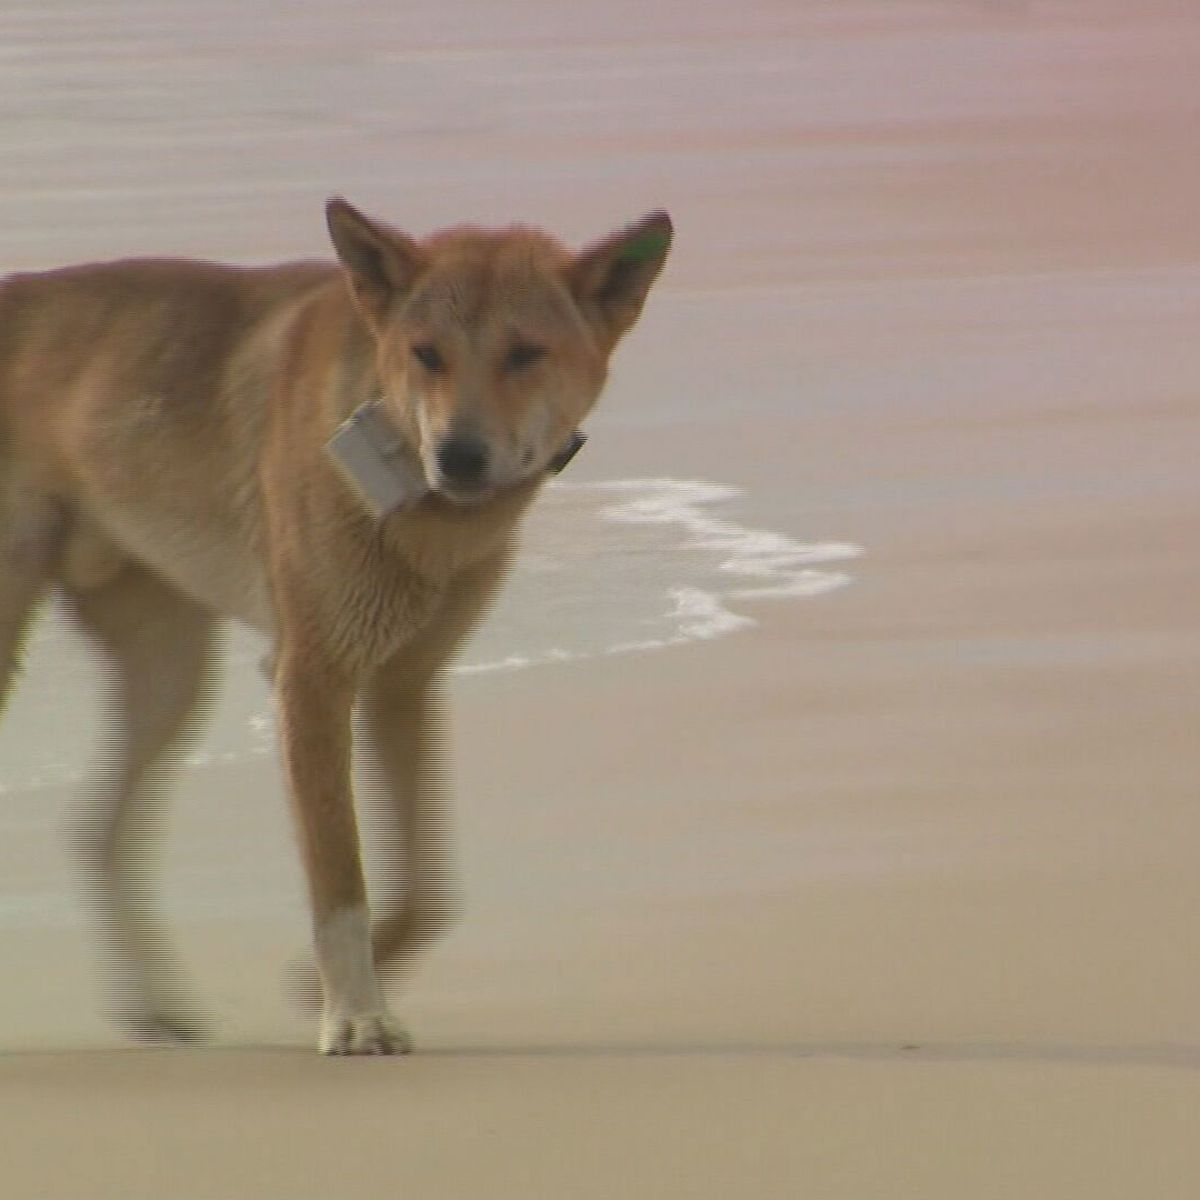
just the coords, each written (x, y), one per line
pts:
(380, 264)
(610, 279)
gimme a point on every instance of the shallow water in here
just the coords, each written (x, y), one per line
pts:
(611, 567)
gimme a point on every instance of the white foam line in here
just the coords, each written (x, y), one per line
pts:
(512, 663)
(700, 614)
(784, 567)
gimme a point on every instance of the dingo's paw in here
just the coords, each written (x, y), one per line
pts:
(162, 1026)
(363, 1033)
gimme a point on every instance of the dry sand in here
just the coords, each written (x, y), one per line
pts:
(891, 896)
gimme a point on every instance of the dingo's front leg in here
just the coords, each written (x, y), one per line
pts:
(315, 702)
(405, 729)
(403, 707)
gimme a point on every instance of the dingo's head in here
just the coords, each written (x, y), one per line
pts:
(492, 346)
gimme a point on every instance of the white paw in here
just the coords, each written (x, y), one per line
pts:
(362, 1033)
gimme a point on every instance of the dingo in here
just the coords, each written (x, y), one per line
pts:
(170, 455)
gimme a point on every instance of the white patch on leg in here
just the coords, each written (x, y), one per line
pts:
(354, 1017)
(344, 958)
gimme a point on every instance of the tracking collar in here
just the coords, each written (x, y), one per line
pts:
(381, 468)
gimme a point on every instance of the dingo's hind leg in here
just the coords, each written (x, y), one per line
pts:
(32, 529)
(160, 646)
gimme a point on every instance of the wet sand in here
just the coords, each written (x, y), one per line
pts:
(890, 896)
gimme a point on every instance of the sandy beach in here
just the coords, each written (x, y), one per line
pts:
(875, 876)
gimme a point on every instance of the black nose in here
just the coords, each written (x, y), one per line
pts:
(463, 460)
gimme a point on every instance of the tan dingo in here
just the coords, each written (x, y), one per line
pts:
(170, 455)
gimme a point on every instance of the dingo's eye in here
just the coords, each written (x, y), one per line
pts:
(523, 354)
(429, 356)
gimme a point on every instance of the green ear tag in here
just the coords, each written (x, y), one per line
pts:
(646, 246)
